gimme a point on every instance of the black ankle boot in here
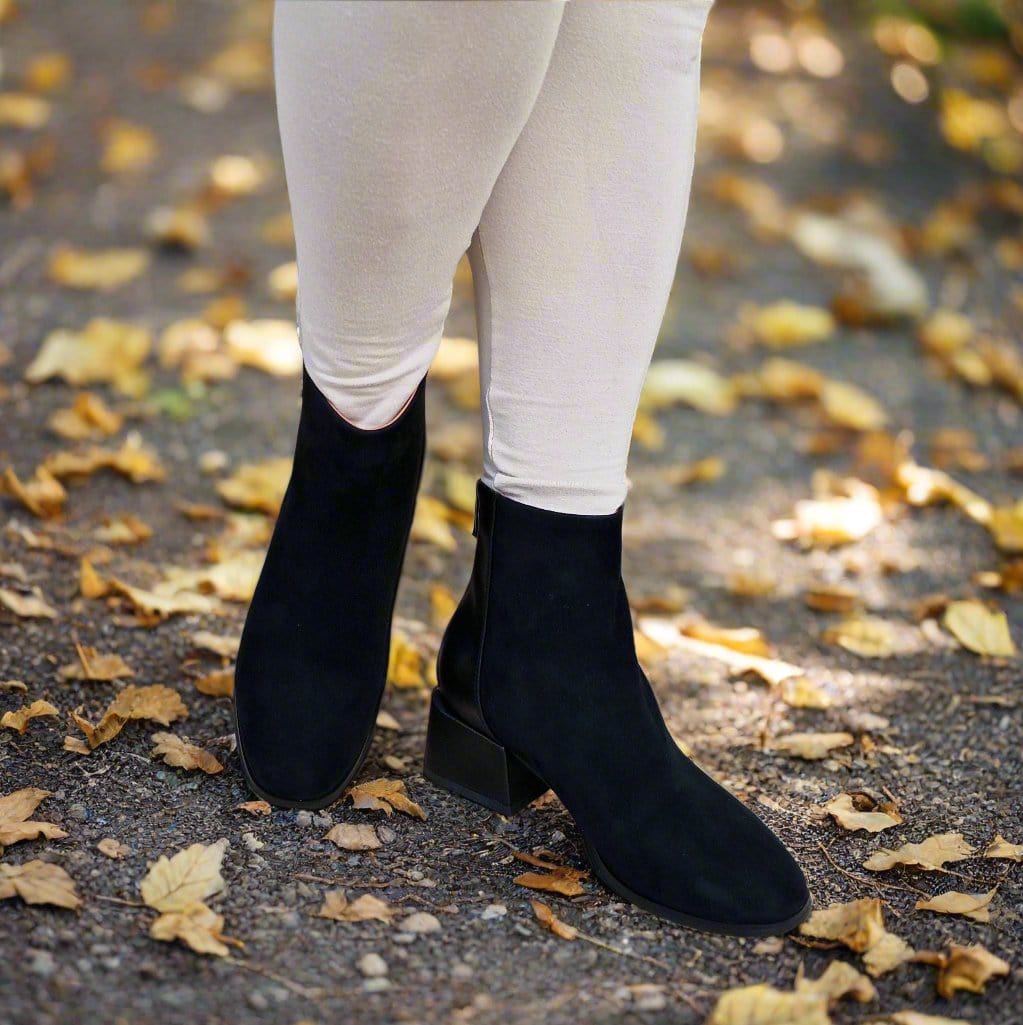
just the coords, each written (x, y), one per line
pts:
(539, 686)
(313, 659)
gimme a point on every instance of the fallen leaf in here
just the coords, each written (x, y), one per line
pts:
(353, 837)
(15, 824)
(105, 350)
(859, 925)
(43, 495)
(258, 486)
(849, 406)
(799, 692)
(268, 345)
(979, 629)
(177, 751)
(559, 879)
(156, 702)
(672, 381)
(866, 636)
(219, 644)
(161, 605)
(746, 640)
(338, 908)
(101, 270)
(930, 854)
(844, 809)
(127, 147)
(255, 807)
(91, 665)
(27, 606)
(22, 110)
(195, 925)
(112, 848)
(546, 917)
(217, 684)
(405, 664)
(19, 720)
(811, 746)
(785, 324)
(133, 460)
(1001, 848)
(887, 954)
(108, 727)
(970, 905)
(965, 968)
(827, 522)
(124, 529)
(172, 884)
(432, 523)
(838, 981)
(1006, 526)
(764, 1005)
(384, 795)
(39, 882)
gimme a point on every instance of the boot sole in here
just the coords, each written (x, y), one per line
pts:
(463, 761)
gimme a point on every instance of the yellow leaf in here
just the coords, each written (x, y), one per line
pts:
(965, 968)
(431, 523)
(39, 882)
(785, 324)
(384, 795)
(929, 855)
(887, 954)
(258, 486)
(811, 746)
(105, 350)
(177, 751)
(15, 825)
(91, 665)
(765, 1005)
(90, 583)
(844, 810)
(88, 417)
(945, 331)
(839, 980)
(282, 282)
(546, 917)
(196, 926)
(849, 406)
(19, 720)
(979, 629)
(338, 908)
(219, 644)
(785, 380)
(971, 905)
(563, 880)
(127, 147)
(133, 460)
(836, 520)
(44, 496)
(799, 692)
(916, 1018)
(1001, 848)
(172, 884)
(673, 381)
(442, 605)
(101, 270)
(22, 110)
(218, 684)
(156, 702)
(859, 925)
(867, 636)
(268, 345)
(405, 664)
(255, 807)
(1006, 526)
(109, 726)
(162, 605)
(233, 176)
(178, 228)
(747, 640)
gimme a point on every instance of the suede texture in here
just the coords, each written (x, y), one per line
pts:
(540, 656)
(314, 651)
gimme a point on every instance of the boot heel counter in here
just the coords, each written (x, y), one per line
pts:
(458, 659)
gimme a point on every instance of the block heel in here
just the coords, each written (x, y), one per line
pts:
(464, 761)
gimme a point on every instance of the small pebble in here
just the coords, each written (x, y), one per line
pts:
(303, 818)
(42, 963)
(77, 812)
(492, 911)
(256, 1000)
(372, 965)
(252, 842)
(420, 922)
(377, 985)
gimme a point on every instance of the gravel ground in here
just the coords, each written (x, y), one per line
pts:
(952, 762)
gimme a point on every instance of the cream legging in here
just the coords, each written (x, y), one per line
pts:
(552, 140)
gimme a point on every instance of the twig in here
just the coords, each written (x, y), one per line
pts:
(875, 883)
(281, 980)
(118, 900)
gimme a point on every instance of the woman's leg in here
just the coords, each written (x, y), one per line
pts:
(576, 250)
(395, 119)
(538, 681)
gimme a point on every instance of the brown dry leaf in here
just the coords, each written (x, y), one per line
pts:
(562, 879)
(195, 925)
(43, 495)
(172, 884)
(15, 824)
(177, 751)
(546, 917)
(258, 486)
(100, 270)
(124, 529)
(353, 837)
(90, 583)
(22, 110)
(14, 686)
(232, 577)
(103, 732)
(859, 925)
(218, 684)
(27, 606)
(105, 350)
(930, 854)
(442, 605)
(964, 968)
(979, 629)
(1001, 848)
(849, 406)
(832, 598)
(39, 882)
(811, 746)
(887, 954)
(857, 811)
(746, 639)
(827, 522)
(785, 324)
(839, 981)
(91, 665)
(220, 644)
(178, 228)
(785, 380)
(924, 486)
(338, 908)
(866, 636)
(384, 795)
(764, 1005)
(20, 719)
(672, 381)
(405, 664)
(255, 807)
(156, 702)
(113, 849)
(971, 905)
(268, 345)
(1006, 525)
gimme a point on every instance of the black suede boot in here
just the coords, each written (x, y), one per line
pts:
(539, 686)
(313, 659)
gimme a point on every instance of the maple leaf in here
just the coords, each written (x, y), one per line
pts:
(15, 825)
(929, 855)
(177, 751)
(191, 875)
(195, 925)
(39, 882)
(384, 795)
